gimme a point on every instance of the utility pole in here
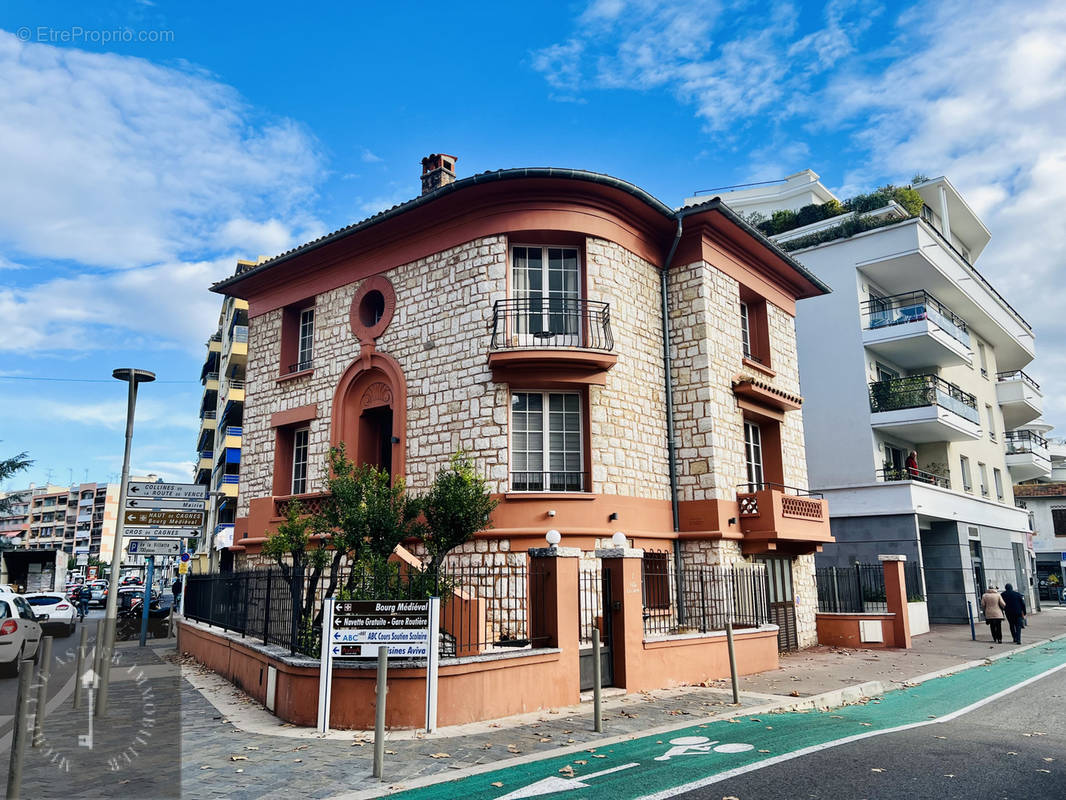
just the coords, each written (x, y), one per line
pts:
(133, 377)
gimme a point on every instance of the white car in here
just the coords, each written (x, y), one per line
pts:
(20, 632)
(62, 613)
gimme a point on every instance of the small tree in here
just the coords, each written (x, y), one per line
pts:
(457, 506)
(8, 468)
(287, 547)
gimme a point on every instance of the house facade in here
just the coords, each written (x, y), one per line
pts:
(609, 365)
(914, 352)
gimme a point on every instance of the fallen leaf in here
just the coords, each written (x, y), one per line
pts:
(949, 775)
(581, 761)
(546, 738)
(238, 758)
(941, 737)
(390, 752)
(206, 766)
(597, 755)
(1044, 770)
(512, 749)
(866, 724)
(569, 741)
(876, 769)
(487, 746)
(439, 755)
(764, 751)
(251, 747)
(568, 771)
(497, 784)
(1011, 753)
(301, 747)
(298, 760)
(1049, 759)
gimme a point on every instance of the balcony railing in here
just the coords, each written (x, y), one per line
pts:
(300, 366)
(899, 309)
(919, 391)
(233, 430)
(550, 481)
(240, 333)
(209, 414)
(1017, 375)
(751, 488)
(552, 322)
(1026, 442)
(889, 474)
(210, 376)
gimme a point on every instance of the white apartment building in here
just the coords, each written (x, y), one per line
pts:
(914, 351)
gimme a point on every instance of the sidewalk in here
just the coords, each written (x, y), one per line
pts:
(232, 747)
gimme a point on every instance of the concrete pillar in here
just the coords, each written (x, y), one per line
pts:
(553, 606)
(896, 595)
(625, 566)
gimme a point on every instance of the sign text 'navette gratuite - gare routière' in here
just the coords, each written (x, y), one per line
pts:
(400, 625)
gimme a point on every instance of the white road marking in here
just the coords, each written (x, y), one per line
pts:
(733, 773)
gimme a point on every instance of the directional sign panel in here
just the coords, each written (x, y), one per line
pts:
(154, 547)
(163, 533)
(173, 491)
(169, 519)
(152, 504)
(361, 627)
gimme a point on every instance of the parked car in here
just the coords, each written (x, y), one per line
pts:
(99, 593)
(62, 614)
(20, 632)
(132, 580)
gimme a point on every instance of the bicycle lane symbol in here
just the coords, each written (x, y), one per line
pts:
(701, 745)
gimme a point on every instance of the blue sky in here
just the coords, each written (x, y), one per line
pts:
(145, 146)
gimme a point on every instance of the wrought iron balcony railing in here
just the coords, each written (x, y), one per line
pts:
(919, 391)
(889, 474)
(899, 309)
(1026, 442)
(551, 322)
(1017, 375)
(552, 481)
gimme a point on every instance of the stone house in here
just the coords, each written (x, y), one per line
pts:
(609, 363)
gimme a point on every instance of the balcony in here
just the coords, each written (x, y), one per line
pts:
(891, 474)
(231, 437)
(232, 391)
(924, 409)
(915, 330)
(776, 518)
(567, 337)
(1027, 456)
(237, 345)
(1019, 397)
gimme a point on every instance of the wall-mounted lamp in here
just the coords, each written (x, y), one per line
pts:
(613, 516)
(395, 439)
(732, 520)
(553, 537)
(618, 539)
(551, 513)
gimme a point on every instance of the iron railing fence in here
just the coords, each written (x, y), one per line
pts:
(550, 481)
(796, 491)
(889, 474)
(482, 607)
(1017, 375)
(912, 572)
(899, 309)
(858, 589)
(702, 599)
(919, 391)
(591, 599)
(1026, 442)
(551, 322)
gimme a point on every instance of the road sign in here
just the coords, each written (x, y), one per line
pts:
(400, 625)
(82, 559)
(163, 533)
(183, 567)
(185, 557)
(167, 519)
(153, 504)
(175, 491)
(154, 547)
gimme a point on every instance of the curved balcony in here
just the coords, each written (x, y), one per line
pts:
(923, 409)
(915, 329)
(1020, 398)
(566, 340)
(1027, 456)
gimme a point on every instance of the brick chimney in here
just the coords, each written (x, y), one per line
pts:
(438, 169)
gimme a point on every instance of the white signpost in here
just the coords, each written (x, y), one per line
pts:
(136, 490)
(356, 629)
(162, 533)
(155, 504)
(154, 547)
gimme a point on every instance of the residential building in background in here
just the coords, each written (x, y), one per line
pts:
(1042, 492)
(914, 351)
(518, 315)
(218, 446)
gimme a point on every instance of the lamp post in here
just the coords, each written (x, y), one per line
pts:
(133, 377)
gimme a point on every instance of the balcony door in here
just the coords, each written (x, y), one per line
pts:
(546, 295)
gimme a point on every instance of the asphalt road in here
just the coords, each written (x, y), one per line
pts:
(1013, 747)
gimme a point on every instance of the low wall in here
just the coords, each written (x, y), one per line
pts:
(874, 631)
(696, 658)
(469, 689)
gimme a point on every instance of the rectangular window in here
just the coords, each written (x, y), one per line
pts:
(967, 481)
(997, 476)
(547, 452)
(299, 460)
(991, 422)
(982, 472)
(753, 456)
(745, 330)
(1058, 520)
(546, 293)
(656, 580)
(305, 348)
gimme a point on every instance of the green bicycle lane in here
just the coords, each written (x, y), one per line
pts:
(665, 764)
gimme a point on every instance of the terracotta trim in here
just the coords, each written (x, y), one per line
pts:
(294, 415)
(760, 412)
(291, 376)
(364, 333)
(344, 422)
(755, 365)
(755, 391)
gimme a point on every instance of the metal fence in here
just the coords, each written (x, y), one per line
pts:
(701, 599)
(482, 607)
(860, 588)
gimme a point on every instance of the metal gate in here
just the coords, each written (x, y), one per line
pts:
(782, 601)
(594, 612)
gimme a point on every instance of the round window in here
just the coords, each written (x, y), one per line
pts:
(371, 308)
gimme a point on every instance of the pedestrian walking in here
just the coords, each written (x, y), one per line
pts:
(992, 604)
(175, 589)
(1014, 608)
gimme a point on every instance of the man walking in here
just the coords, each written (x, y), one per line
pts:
(1015, 610)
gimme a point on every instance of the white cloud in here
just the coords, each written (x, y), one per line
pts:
(370, 158)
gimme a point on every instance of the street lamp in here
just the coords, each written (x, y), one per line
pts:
(133, 377)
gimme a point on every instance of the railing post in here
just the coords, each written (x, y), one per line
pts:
(266, 611)
(858, 582)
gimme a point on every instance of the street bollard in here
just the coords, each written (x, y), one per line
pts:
(83, 649)
(44, 670)
(597, 680)
(973, 631)
(379, 712)
(21, 729)
(732, 662)
(98, 661)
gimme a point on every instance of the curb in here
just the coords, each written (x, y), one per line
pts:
(823, 701)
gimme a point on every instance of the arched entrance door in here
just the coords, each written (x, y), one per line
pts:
(370, 413)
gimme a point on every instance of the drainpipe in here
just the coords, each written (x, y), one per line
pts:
(671, 443)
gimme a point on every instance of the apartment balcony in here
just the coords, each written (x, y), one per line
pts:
(892, 474)
(214, 344)
(232, 391)
(210, 382)
(1028, 456)
(915, 330)
(924, 409)
(1020, 398)
(231, 437)
(227, 484)
(569, 339)
(206, 461)
(776, 518)
(236, 351)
